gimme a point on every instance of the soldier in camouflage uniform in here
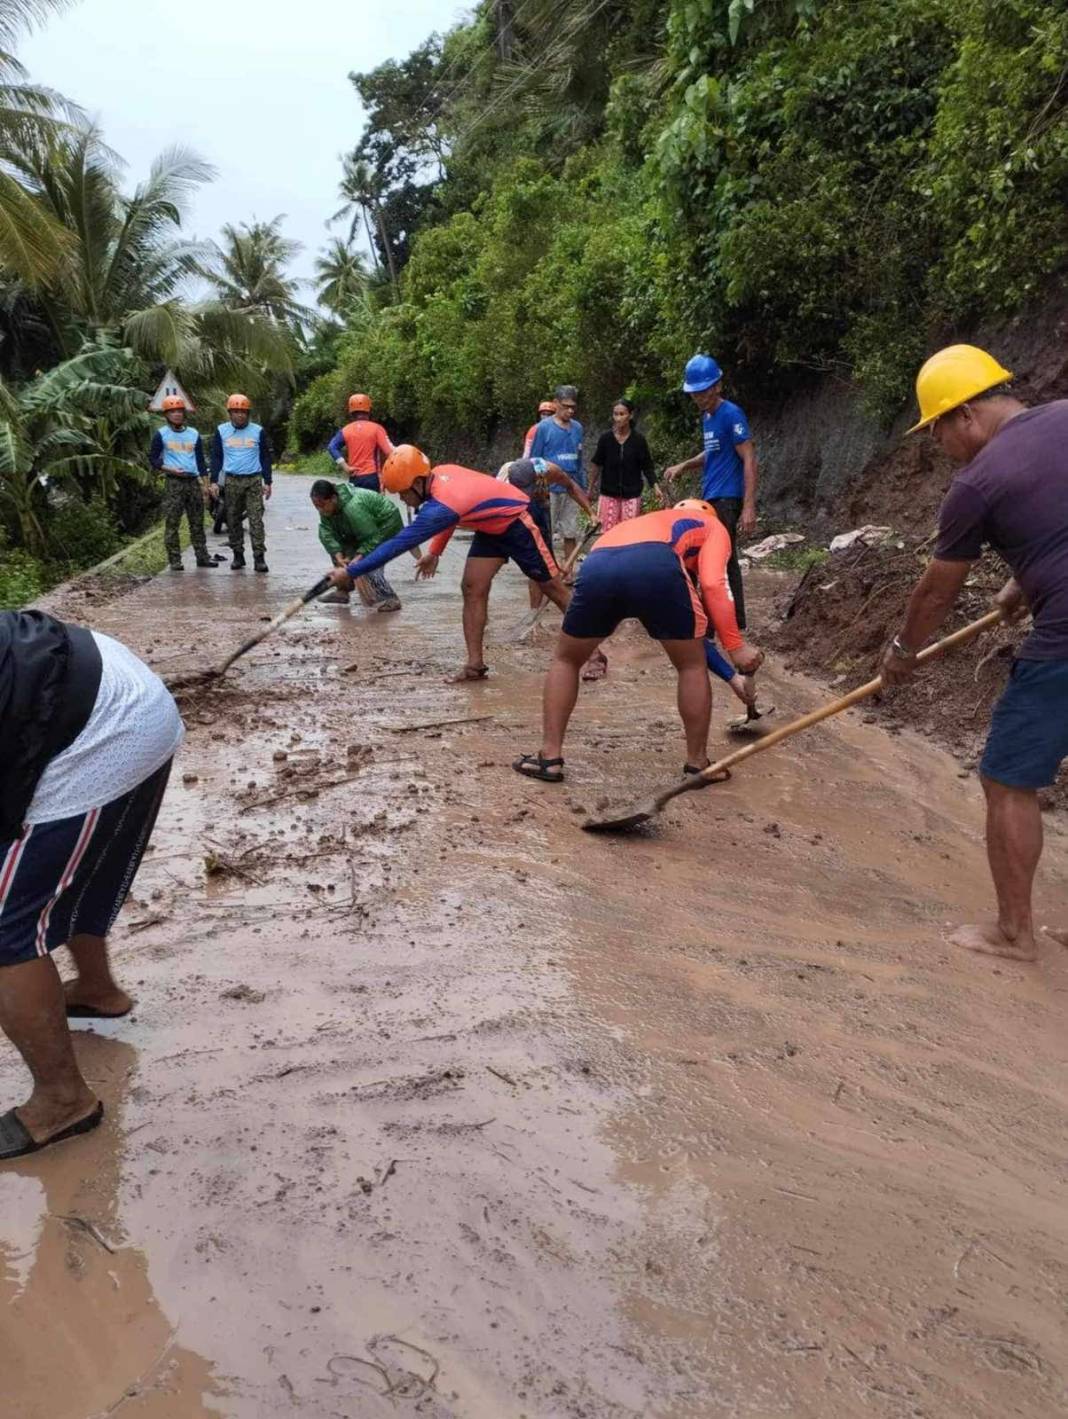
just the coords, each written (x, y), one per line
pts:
(241, 452)
(178, 453)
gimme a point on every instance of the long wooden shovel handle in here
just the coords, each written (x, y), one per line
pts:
(535, 616)
(291, 610)
(709, 775)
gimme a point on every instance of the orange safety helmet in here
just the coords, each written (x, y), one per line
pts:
(239, 401)
(696, 505)
(403, 466)
(173, 401)
(359, 404)
(547, 406)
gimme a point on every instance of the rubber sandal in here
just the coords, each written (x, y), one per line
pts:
(692, 769)
(534, 766)
(90, 1012)
(16, 1141)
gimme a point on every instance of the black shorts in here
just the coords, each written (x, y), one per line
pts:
(521, 542)
(71, 876)
(643, 580)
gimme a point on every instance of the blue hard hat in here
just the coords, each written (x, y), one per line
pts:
(702, 372)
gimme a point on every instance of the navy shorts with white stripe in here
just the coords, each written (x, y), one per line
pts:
(70, 877)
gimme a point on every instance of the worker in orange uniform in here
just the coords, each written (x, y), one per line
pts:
(448, 497)
(546, 409)
(362, 446)
(669, 571)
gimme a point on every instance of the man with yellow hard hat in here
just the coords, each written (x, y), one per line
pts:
(1011, 494)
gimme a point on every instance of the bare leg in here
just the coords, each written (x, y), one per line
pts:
(94, 984)
(478, 577)
(560, 595)
(569, 546)
(33, 1017)
(537, 596)
(1013, 847)
(695, 696)
(561, 689)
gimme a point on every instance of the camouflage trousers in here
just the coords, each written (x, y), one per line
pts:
(183, 495)
(244, 497)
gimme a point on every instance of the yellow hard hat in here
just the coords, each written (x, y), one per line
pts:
(953, 376)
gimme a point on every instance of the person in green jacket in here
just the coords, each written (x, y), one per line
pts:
(352, 523)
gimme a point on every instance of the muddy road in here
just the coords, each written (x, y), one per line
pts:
(433, 1104)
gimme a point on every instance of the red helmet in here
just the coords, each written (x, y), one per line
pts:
(403, 466)
(239, 401)
(696, 505)
(547, 406)
(359, 403)
(173, 401)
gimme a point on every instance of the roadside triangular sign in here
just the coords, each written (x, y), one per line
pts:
(169, 385)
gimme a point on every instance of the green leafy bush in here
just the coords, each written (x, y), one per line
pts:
(22, 578)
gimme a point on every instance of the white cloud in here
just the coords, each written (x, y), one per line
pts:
(258, 87)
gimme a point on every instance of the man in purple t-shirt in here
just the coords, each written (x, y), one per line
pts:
(1013, 496)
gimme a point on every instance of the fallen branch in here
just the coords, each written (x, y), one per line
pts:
(434, 724)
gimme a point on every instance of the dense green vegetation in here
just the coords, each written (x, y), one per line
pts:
(591, 191)
(99, 294)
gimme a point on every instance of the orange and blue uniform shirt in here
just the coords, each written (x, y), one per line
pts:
(666, 569)
(366, 447)
(497, 513)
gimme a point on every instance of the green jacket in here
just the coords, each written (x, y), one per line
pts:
(362, 521)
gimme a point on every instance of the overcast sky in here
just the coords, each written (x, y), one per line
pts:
(258, 87)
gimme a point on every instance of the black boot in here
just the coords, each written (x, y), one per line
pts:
(205, 562)
(260, 564)
(238, 563)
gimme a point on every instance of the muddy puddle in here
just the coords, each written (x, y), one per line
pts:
(433, 1104)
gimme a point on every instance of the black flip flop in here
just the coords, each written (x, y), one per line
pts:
(534, 766)
(90, 1012)
(16, 1141)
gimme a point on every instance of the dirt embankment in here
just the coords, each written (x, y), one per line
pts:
(837, 620)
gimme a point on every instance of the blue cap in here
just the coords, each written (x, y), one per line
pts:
(702, 372)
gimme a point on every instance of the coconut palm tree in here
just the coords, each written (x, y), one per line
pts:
(31, 244)
(247, 272)
(361, 190)
(127, 270)
(340, 275)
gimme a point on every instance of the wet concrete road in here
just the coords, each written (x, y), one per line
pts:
(433, 1104)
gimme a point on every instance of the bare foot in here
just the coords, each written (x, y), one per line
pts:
(43, 1118)
(80, 997)
(469, 672)
(990, 940)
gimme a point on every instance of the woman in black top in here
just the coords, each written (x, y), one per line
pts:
(620, 462)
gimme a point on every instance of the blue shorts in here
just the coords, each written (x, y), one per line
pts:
(1029, 728)
(541, 515)
(72, 875)
(523, 543)
(643, 580)
(371, 481)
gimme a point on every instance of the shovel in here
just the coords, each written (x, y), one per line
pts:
(720, 771)
(204, 677)
(526, 626)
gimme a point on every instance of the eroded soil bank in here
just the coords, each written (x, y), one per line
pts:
(433, 1104)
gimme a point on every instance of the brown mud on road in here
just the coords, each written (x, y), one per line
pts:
(433, 1104)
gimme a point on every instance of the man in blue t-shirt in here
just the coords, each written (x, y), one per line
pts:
(559, 440)
(729, 462)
